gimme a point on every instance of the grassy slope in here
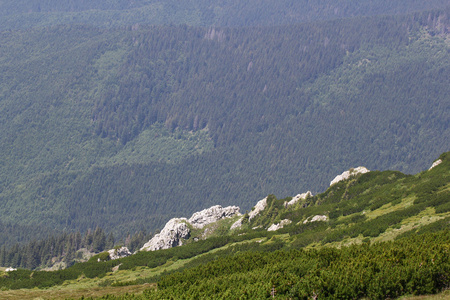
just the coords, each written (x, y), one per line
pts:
(357, 190)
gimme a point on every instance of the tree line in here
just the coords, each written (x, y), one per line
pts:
(65, 248)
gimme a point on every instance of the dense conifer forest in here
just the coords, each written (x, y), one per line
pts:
(68, 248)
(230, 13)
(124, 128)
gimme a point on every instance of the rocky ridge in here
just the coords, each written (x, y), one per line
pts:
(259, 207)
(178, 230)
(298, 198)
(173, 234)
(213, 214)
(347, 174)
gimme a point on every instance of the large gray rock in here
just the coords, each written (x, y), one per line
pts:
(213, 214)
(259, 207)
(176, 230)
(436, 163)
(347, 174)
(237, 224)
(119, 253)
(275, 227)
(316, 218)
(172, 235)
(299, 197)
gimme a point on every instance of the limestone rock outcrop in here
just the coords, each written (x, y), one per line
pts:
(275, 227)
(170, 236)
(347, 174)
(236, 224)
(177, 229)
(259, 207)
(299, 197)
(316, 218)
(436, 163)
(119, 253)
(213, 214)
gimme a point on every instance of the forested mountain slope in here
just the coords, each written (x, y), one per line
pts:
(37, 13)
(125, 128)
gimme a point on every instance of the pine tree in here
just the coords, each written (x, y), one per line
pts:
(3, 256)
(87, 240)
(77, 240)
(99, 240)
(136, 241)
(110, 241)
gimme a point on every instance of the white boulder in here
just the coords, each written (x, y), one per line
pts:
(275, 227)
(259, 207)
(10, 269)
(170, 236)
(299, 197)
(119, 253)
(347, 174)
(316, 218)
(236, 224)
(213, 214)
(436, 163)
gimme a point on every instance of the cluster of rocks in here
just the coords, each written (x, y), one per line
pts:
(177, 230)
(213, 214)
(171, 235)
(119, 253)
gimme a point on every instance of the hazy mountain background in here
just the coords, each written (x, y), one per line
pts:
(122, 115)
(106, 13)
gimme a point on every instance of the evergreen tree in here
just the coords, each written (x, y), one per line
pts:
(109, 241)
(78, 240)
(87, 240)
(137, 241)
(3, 255)
(98, 240)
